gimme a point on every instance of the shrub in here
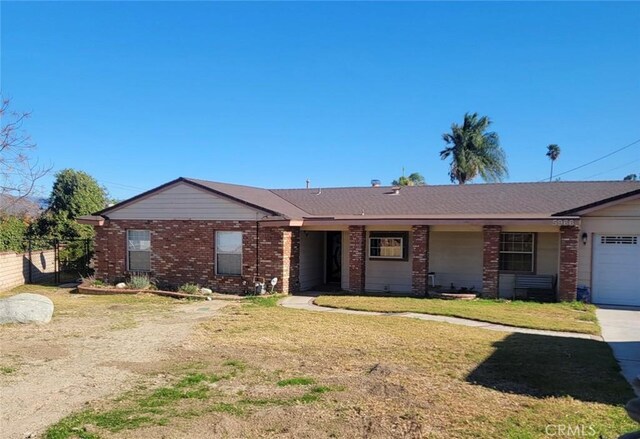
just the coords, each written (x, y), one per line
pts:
(189, 288)
(139, 281)
(13, 234)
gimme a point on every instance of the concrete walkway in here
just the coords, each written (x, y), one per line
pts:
(621, 330)
(306, 303)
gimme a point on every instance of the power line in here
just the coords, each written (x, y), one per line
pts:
(612, 169)
(595, 160)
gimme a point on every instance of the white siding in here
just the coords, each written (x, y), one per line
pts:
(393, 276)
(621, 219)
(456, 258)
(182, 202)
(547, 253)
(311, 259)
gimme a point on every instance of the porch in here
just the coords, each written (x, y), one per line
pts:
(398, 259)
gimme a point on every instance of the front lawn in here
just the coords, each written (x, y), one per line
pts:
(570, 317)
(259, 370)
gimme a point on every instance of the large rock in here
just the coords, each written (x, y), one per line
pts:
(26, 308)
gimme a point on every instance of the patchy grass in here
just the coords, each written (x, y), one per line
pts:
(364, 376)
(7, 370)
(67, 304)
(190, 396)
(302, 381)
(569, 317)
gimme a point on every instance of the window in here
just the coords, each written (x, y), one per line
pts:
(388, 246)
(516, 252)
(618, 240)
(229, 253)
(138, 250)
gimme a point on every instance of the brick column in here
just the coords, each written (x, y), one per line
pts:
(568, 276)
(490, 260)
(280, 256)
(419, 259)
(357, 258)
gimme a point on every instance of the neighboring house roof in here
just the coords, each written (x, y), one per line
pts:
(471, 201)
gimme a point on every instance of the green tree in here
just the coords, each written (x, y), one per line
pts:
(553, 152)
(474, 151)
(74, 193)
(631, 177)
(415, 179)
(12, 233)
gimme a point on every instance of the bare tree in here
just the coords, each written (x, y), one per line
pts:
(19, 171)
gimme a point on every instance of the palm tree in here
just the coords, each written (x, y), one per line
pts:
(474, 151)
(553, 152)
(415, 179)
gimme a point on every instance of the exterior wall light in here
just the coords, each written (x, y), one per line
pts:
(584, 238)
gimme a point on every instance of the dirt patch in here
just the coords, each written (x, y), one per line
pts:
(90, 350)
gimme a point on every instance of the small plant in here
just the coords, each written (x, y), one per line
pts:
(139, 281)
(189, 288)
(300, 381)
(7, 370)
(92, 281)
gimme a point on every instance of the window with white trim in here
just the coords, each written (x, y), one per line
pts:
(386, 245)
(138, 250)
(517, 252)
(228, 253)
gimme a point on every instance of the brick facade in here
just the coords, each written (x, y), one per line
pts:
(357, 258)
(184, 251)
(419, 259)
(279, 251)
(568, 275)
(490, 260)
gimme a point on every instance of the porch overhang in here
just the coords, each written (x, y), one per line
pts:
(434, 220)
(91, 220)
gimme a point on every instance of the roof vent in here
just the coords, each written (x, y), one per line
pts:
(375, 183)
(395, 190)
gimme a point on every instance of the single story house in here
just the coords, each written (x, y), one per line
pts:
(380, 239)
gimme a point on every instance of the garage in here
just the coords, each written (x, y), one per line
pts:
(616, 270)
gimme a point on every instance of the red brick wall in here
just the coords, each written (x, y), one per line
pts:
(181, 251)
(568, 276)
(419, 259)
(184, 251)
(279, 251)
(490, 260)
(357, 258)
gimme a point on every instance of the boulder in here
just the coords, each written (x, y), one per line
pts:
(206, 291)
(26, 308)
(121, 285)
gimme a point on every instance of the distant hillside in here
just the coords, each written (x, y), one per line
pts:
(29, 207)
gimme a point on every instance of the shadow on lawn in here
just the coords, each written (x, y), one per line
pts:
(542, 366)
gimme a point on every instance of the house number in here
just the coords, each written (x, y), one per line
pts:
(565, 222)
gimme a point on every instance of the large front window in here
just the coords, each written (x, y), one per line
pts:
(388, 246)
(517, 252)
(138, 250)
(229, 253)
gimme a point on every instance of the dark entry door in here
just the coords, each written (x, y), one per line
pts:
(334, 257)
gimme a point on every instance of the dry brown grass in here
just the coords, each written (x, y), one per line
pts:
(566, 316)
(386, 377)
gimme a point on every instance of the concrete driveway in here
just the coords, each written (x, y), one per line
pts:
(621, 330)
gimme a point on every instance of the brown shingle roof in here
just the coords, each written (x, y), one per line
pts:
(472, 200)
(481, 201)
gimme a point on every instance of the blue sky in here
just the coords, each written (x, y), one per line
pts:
(270, 94)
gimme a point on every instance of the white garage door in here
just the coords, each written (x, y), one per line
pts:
(616, 269)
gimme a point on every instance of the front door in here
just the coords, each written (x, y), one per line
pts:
(334, 257)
